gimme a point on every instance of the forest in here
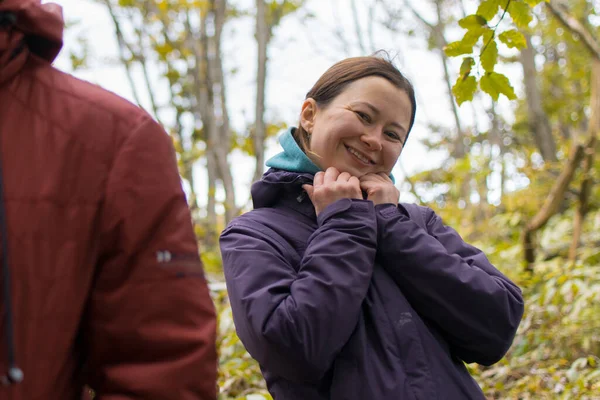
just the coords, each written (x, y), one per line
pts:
(504, 148)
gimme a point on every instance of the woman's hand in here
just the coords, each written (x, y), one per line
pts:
(380, 189)
(331, 186)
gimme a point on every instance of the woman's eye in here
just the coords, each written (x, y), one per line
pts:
(364, 116)
(392, 135)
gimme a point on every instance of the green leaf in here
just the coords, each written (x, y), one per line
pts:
(472, 21)
(469, 40)
(488, 35)
(513, 39)
(458, 48)
(464, 89)
(472, 36)
(489, 56)
(488, 9)
(496, 84)
(533, 3)
(466, 66)
(520, 13)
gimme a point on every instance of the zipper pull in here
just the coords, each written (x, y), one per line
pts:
(301, 196)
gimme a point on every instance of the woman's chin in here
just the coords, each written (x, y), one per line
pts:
(352, 170)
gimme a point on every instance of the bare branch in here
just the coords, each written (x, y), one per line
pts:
(552, 203)
(357, 27)
(370, 28)
(410, 182)
(419, 16)
(556, 195)
(142, 60)
(123, 45)
(574, 25)
(438, 32)
(338, 31)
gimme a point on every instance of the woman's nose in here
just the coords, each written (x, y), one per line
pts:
(372, 139)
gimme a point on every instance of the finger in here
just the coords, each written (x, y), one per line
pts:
(354, 181)
(367, 185)
(344, 177)
(370, 178)
(380, 177)
(366, 188)
(385, 176)
(319, 176)
(309, 190)
(331, 175)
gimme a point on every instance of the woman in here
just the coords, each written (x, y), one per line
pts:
(340, 292)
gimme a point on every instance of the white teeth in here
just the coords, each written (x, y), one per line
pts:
(359, 156)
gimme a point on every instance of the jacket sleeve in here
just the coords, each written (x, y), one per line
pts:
(150, 325)
(294, 315)
(451, 284)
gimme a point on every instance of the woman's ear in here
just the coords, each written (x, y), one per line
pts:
(308, 115)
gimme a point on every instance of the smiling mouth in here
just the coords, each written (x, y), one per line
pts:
(359, 156)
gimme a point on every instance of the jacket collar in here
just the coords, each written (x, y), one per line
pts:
(279, 188)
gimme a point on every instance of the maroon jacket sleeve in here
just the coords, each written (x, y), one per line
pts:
(451, 284)
(150, 325)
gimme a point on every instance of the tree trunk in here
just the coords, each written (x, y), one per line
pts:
(223, 139)
(204, 109)
(588, 161)
(538, 120)
(262, 33)
(187, 167)
(210, 238)
(496, 151)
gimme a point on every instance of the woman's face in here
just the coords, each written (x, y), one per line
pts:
(362, 130)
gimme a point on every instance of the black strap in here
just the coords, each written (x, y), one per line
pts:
(14, 374)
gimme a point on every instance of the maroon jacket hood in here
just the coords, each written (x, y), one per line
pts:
(41, 24)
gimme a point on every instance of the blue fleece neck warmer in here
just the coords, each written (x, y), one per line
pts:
(292, 158)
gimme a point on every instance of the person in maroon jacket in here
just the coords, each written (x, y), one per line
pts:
(102, 285)
(337, 289)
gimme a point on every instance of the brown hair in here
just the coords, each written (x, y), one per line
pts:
(340, 75)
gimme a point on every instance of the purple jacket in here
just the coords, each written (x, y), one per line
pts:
(361, 302)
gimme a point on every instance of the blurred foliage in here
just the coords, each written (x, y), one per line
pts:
(239, 373)
(555, 353)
